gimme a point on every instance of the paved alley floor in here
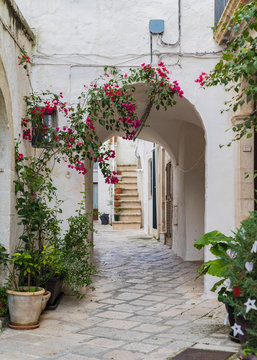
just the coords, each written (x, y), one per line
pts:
(146, 306)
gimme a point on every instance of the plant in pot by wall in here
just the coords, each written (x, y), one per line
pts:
(116, 197)
(24, 298)
(240, 279)
(219, 246)
(117, 214)
(77, 269)
(116, 203)
(118, 188)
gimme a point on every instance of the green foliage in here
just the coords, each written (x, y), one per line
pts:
(244, 252)
(77, 269)
(3, 300)
(237, 70)
(219, 245)
(236, 262)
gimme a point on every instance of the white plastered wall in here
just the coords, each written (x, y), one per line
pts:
(76, 38)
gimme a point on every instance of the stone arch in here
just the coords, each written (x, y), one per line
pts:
(180, 130)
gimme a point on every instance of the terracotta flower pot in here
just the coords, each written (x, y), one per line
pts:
(116, 197)
(118, 190)
(116, 203)
(25, 308)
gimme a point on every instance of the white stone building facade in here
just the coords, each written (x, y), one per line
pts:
(74, 40)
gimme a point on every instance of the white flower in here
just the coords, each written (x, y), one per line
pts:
(227, 283)
(254, 248)
(231, 254)
(250, 304)
(243, 233)
(249, 266)
(237, 329)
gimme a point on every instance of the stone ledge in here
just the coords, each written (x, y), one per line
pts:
(15, 13)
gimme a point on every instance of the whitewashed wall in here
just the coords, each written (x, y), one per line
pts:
(76, 38)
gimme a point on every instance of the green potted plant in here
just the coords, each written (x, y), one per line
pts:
(3, 300)
(220, 246)
(24, 298)
(77, 269)
(118, 188)
(238, 254)
(116, 197)
(117, 214)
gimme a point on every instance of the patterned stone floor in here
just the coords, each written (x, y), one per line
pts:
(146, 306)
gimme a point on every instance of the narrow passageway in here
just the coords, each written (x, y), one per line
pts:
(146, 306)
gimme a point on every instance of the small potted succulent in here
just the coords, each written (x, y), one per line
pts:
(237, 266)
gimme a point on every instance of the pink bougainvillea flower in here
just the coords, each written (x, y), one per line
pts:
(20, 157)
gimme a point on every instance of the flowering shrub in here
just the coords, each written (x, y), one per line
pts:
(242, 280)
(237, 69)
(108, 101)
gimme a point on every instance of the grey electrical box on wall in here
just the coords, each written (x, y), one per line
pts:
(156, 26)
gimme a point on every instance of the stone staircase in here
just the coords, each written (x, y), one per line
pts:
(130, 214)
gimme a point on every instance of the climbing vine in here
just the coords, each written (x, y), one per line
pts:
(237, 69)
(109, 101)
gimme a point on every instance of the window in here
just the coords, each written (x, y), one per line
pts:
(219, 8)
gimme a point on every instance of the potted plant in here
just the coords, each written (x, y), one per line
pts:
(118, 189)
(116, 197)
(3, 300)
(77, 269)
(24, 298)
(117, 214)
(240, 278)
(220, 246)
(116, 203)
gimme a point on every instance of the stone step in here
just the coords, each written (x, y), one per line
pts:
(129, 203)
(130, 217)
(126, 166)
(126, 225)
(128, 196)
(130, 210)
(132, 172)
(128, 178)
(127, 191)
(129, 185)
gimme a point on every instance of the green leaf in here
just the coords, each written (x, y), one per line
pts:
(211, 238)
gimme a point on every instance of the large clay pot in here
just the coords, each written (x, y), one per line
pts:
(54, 286)
(25, 308)
(46, 297)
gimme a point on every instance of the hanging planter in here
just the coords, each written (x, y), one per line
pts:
(42, 130)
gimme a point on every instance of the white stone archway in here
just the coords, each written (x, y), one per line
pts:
(181, 132)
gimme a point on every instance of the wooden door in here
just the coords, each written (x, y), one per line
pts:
(169, 204)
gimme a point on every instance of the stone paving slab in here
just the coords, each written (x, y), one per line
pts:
(146, 306)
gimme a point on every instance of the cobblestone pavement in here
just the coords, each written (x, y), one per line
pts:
(146, 306)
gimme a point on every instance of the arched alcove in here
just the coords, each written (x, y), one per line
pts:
(181, 132)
